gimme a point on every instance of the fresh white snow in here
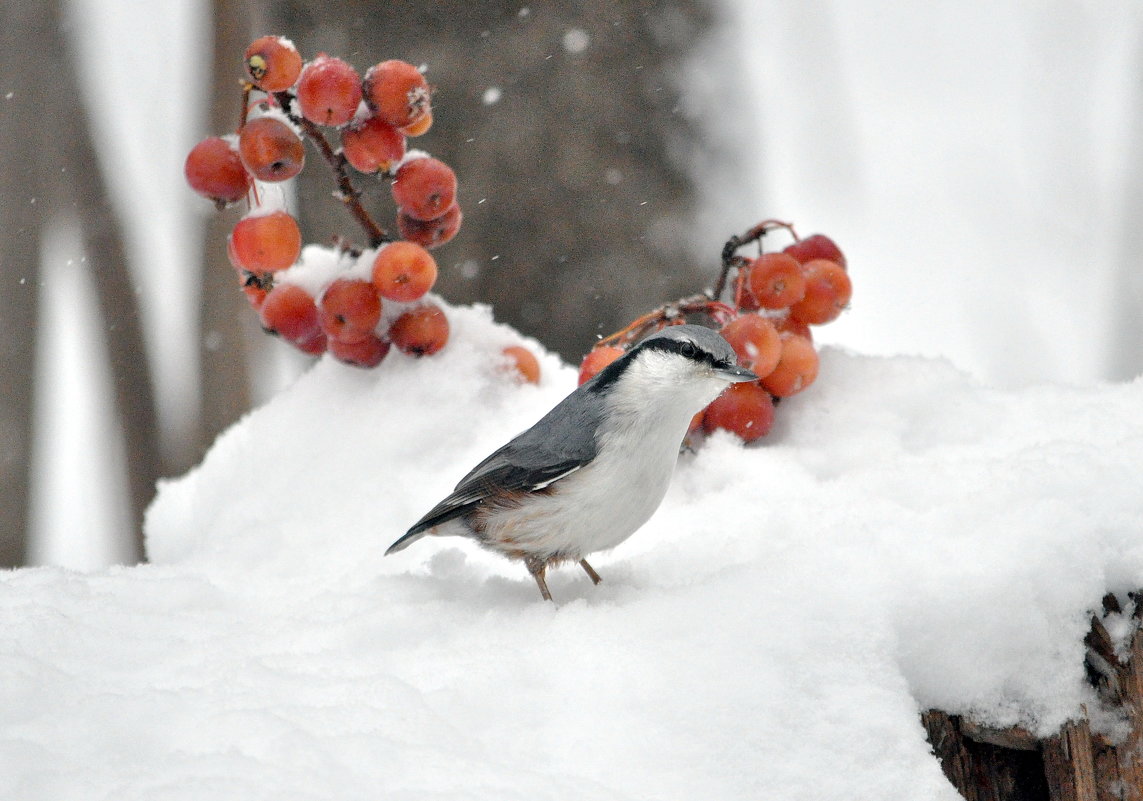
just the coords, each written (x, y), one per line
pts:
(905, 538)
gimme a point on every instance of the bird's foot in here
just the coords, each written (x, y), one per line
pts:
(591, 574)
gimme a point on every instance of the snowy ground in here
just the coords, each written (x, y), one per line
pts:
(906, 538)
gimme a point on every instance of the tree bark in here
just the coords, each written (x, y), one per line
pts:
(24, 27)
(223, 344)
(51, 166)
(85, 190)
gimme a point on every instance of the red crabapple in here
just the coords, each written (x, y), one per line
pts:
(796, 370)
(214, 169)
(598, 358)
(424, 187)
(421, 126)
(372, 145)
(756, 342)
(696, 421)
(777, 281)
(273, 63)
(270, 149)
(290, 312)
(403, 271)
(367, 353)
(817, 246)
(329, 91)
(421, 331)
(349, 310)
(430, 233)
(524, 363)
(255, 289)
(397, 92)
(828, 290)
(791, 325)
(745, 409)
(266, 243)
(315, 344)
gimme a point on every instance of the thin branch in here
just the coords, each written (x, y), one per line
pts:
(730, 259)
(346, 191)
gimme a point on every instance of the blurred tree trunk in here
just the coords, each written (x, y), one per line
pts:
(222, 346)
(562, 122)
(51, 167)
(23, 27)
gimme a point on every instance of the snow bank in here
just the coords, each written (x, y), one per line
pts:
(906, 538)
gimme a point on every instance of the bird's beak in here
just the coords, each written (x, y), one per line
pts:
(735, 374)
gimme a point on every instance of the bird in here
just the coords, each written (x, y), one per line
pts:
(592, 471)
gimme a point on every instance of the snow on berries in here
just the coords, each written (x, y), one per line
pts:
(332, 299)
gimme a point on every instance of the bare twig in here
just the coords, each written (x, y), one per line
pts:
(346, 191)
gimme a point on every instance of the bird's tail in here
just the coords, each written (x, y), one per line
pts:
(411, 536)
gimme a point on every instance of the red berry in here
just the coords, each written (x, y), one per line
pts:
(421, 126)
(696, 421)
(796, 370)
(315, 344)
(524, 363)
(273, 63)
(367, 353)
(255, 289)
(828, 290)
(818, 246)
(214, 170)
(791, 325)
(598, 358)
(430, 233)
(397, 92)
(270, 149)
(266, 243)
(372, 145)
(744, 409)
(290, 312)
(776, 280)
(743, 297)
(756, 342)
(329, 91)
(425, 188)
(403, 271)
(421, 331)
(349, 310)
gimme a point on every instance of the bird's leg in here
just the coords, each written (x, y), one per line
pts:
(591, 574)
(537, 568)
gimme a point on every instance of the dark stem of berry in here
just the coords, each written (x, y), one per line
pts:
(244, 112)
(674, 313)
(705, 304)
(346, 191)
(731, 259)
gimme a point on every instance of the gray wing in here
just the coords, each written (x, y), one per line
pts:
(559, 444)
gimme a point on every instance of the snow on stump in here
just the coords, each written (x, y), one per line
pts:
(1076, 763)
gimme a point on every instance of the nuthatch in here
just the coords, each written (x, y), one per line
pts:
(595, 467)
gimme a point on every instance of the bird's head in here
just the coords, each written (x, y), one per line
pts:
(683, 365)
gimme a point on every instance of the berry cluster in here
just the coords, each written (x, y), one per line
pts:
(286, 101)
(777, 296)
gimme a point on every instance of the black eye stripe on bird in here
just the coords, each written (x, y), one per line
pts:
(595, 468)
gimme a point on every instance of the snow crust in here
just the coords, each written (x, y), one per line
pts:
(905, 538)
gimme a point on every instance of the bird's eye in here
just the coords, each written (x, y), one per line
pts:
(688, 349)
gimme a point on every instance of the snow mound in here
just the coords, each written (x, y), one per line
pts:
(905, 538)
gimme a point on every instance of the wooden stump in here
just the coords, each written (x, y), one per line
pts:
(1074, 764)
